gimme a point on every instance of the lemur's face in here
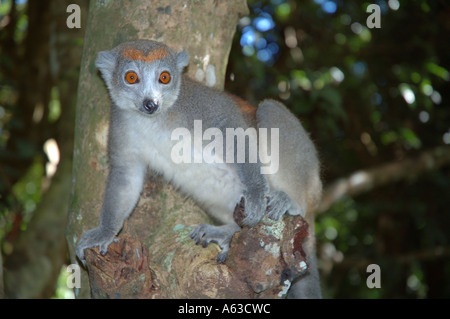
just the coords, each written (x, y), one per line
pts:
(145, 76)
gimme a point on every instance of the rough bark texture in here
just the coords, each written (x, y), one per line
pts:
(262, 263)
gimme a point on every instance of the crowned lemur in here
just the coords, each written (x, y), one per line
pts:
(151, 99)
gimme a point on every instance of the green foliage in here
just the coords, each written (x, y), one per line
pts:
(54, 106)
(27, 191)
(62, 290)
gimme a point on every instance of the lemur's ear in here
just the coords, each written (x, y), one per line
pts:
(106, 62)
(182, 60)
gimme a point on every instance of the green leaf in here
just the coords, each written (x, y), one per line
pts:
(411, 138)
(438, 71)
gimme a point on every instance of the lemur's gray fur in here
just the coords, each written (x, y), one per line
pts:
(146, 109)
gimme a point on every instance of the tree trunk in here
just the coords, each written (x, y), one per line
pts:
(154, 256)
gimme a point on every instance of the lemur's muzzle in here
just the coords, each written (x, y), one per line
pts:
(150, 106)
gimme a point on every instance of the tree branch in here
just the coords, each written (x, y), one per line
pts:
(366, 180)
(165, 263)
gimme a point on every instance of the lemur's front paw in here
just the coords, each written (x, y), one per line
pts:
(255, 204)
(221, 235)
(97, 237)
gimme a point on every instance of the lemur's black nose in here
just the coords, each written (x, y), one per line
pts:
(150, 106)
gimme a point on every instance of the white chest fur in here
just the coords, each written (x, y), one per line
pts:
(216, 187)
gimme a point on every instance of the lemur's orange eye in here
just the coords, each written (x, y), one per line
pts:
(131, 77)
(164, 77)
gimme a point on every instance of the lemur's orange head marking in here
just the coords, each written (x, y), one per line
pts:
(135, 54)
